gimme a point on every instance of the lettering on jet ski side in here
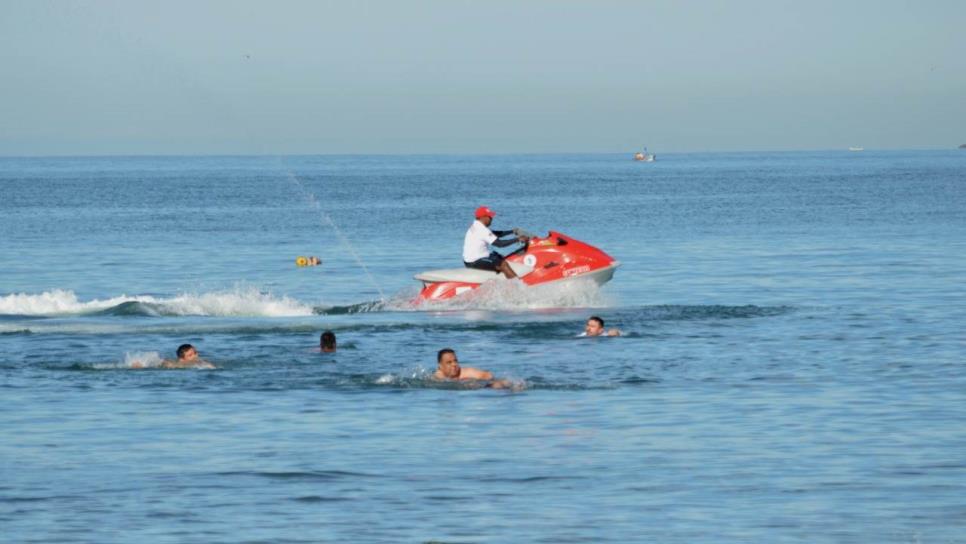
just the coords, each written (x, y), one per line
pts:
(576, 270)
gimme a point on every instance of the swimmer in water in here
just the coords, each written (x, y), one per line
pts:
(187, 358)
(327, 342)
(595, 327)
(448, 368)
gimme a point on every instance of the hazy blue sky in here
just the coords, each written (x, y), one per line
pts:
(114, 77)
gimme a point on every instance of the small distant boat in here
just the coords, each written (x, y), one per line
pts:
(962, 146)
(856, 149)
(644, 156)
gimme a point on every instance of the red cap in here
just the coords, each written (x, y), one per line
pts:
(483, 211)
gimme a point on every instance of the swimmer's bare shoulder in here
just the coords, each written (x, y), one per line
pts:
(466, 373)
(470, 373)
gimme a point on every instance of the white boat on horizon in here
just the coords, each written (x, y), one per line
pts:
(644, 156)
(856, 148)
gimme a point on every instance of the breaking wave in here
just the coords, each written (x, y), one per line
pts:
(246, 301)
(56, 302)
(237, 302)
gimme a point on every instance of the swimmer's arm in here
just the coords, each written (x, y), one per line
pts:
(470, 373)
(178, 364)
(614, 332)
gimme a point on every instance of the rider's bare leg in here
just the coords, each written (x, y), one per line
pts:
(507, 270)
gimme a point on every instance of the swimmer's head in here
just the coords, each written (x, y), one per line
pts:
(187, 352)
(327, 341)
(595, 326)
(447, 363)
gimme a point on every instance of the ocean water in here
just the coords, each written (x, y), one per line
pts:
(793, 365)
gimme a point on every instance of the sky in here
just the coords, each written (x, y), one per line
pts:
(319, 77)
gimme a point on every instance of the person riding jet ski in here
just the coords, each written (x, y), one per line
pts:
(476, 252)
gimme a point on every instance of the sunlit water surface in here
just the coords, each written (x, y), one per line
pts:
(792, 366)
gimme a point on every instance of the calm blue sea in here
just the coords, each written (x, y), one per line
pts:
(793, 365)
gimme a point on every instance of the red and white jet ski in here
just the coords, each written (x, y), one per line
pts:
(556, 257)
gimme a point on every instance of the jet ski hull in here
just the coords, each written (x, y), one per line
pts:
(551, 259)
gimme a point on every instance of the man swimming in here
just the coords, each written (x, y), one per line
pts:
(327, 342)
(448, 368)
(187, 358)
(595, 327)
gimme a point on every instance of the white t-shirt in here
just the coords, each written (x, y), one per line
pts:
(475, 244)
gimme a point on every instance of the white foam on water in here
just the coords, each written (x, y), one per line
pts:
(138, 359)
(386, 379)
(417, 374)
(59, 302)
(237, 302)
(240, 302)
(247, 301)
(147, 359)
(509, 295)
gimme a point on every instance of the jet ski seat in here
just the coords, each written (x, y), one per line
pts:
(469, 275)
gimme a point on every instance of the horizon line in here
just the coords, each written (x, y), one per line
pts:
(453, 153)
